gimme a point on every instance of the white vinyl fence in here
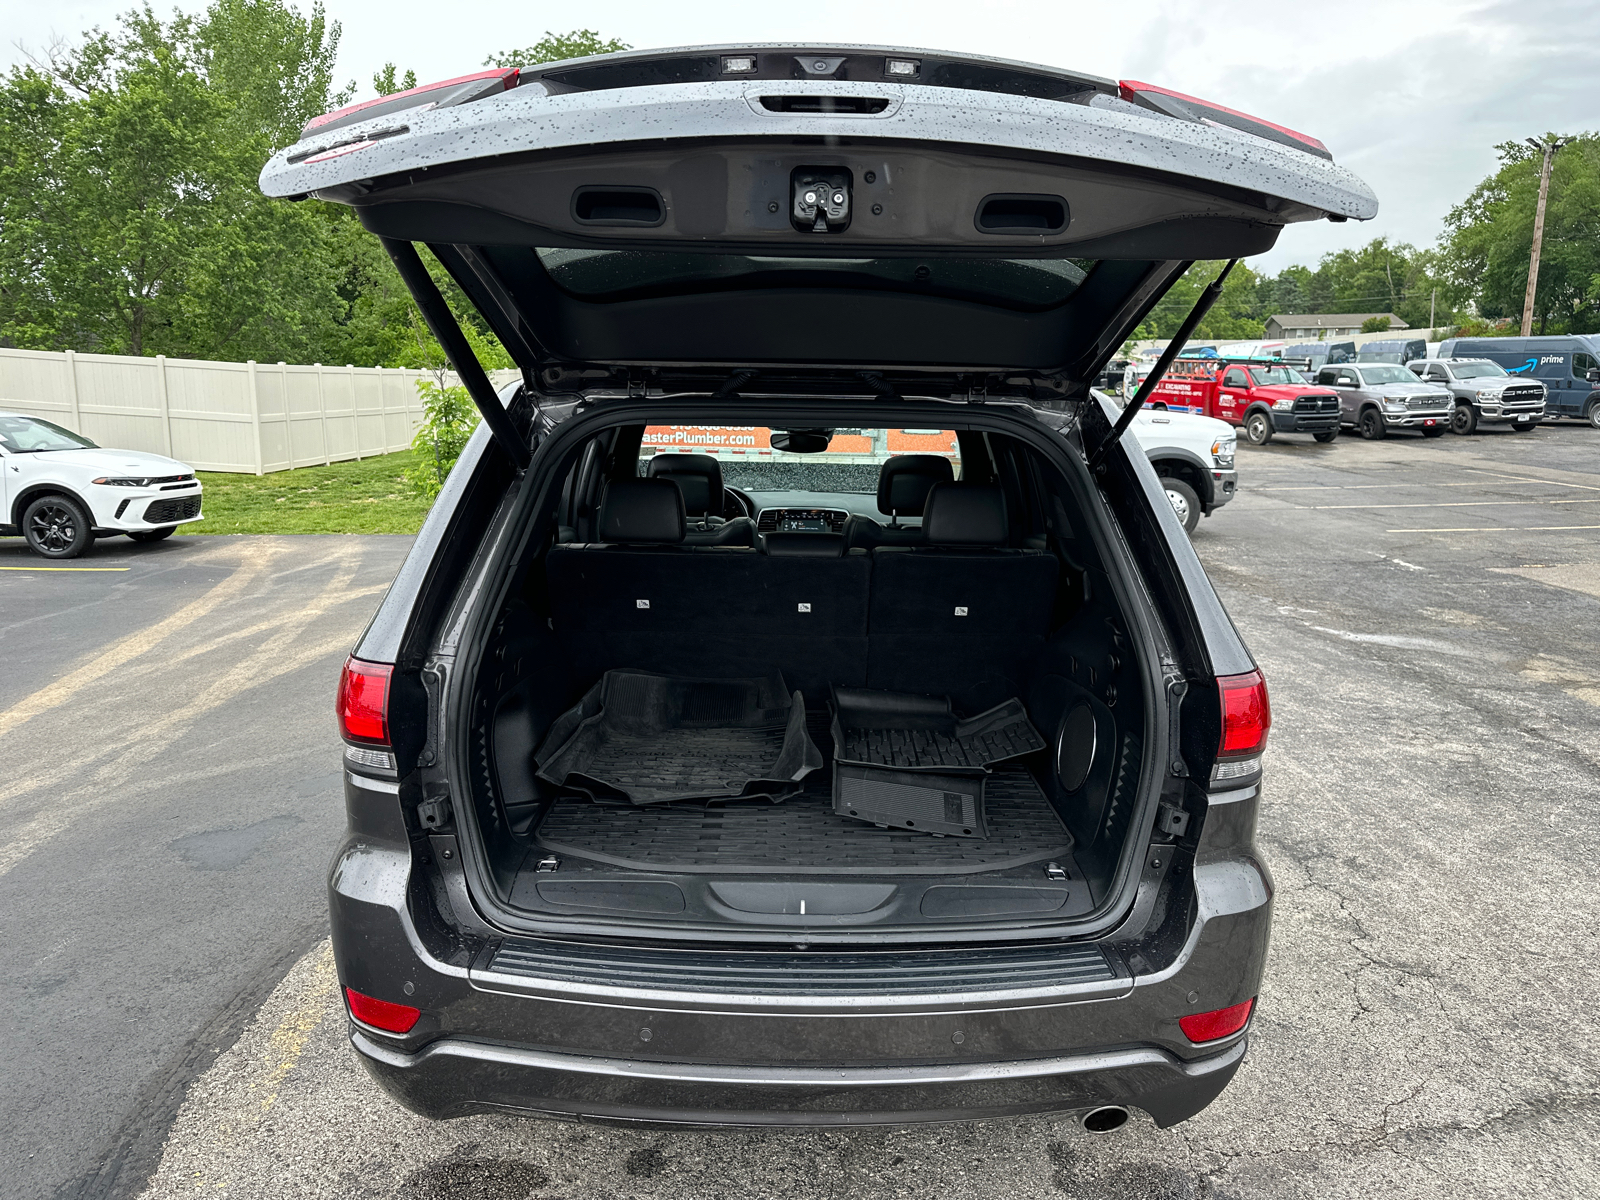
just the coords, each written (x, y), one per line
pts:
(245, 417)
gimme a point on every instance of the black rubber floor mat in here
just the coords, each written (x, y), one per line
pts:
(907, 761)
(803, 836)
(651, 739)
(889, 729)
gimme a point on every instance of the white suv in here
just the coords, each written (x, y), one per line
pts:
(61, 491)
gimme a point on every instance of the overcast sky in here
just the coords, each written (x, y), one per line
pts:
(1411, 94)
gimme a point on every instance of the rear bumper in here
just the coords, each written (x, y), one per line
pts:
(551, 1034)
(453, 1078)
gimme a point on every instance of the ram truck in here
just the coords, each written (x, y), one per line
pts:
(1262, 396)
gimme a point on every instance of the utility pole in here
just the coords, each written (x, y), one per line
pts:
(1549, 149)
(1433, 303)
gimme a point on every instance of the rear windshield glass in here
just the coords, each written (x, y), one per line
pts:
(749, 459)
(612, 274)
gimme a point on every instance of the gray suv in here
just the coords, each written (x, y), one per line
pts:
(1484, 393)
(827, 794)
(1377, 397)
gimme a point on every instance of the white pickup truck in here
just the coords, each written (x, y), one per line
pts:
(1192, 454)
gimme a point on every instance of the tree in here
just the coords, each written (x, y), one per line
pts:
(554, 47)
(385, 83)
(1375, 325)
(1489, 237)
(129, 217)
(1234, 317)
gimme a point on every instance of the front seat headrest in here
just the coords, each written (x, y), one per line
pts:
(904, 481)
(698, 476)
(965, 514)
(642, 510)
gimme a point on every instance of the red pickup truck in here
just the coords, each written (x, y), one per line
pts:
(1265, 396)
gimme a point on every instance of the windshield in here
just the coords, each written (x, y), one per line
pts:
(1386, 374)
(1266, 376)
(1477, 370)
(29, 435)
(749, 460)
(1013, 283)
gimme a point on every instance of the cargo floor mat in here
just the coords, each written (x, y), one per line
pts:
(907, 761)
(651, 739)
(802, 836)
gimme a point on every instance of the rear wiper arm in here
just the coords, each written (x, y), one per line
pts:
(1208, 297)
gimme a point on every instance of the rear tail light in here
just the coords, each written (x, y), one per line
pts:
(381, 1014)
(363, 703)
(1216, 1024)
(1246, 718)
(1204, 112)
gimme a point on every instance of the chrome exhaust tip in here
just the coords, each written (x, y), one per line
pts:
(1107, 1119)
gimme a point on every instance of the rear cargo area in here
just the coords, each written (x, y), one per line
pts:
(802, 734)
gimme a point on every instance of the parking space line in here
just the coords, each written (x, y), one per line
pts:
(1455, 504)
(1357, 487)
(1535, 479)
(1496, 529)
(66, 568)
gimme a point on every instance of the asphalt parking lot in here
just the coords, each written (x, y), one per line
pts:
(1428, 617)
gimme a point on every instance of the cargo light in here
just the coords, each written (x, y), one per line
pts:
(1246, 718)
(1192, 108)
(363, 703)
(1218, 1023)
(381, 1014)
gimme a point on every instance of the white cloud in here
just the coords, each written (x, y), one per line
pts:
(1411, 94)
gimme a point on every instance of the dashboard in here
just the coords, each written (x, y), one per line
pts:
(802, 520)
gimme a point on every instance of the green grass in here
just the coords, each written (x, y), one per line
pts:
(348, 497)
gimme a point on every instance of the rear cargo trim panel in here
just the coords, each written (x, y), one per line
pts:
(790, 974)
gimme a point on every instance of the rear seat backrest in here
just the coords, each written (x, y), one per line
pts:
(962, 615)
(646, 600)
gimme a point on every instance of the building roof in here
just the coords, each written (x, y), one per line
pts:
(1332, 320)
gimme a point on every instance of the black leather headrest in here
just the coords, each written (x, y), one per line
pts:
(642, 510)
(904, 480)
(804, 545)
(965, 514)
(698, 476)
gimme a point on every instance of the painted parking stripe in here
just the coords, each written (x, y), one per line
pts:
(1450, 504)
(66, 568)
(1360, 487)
(1588, 487)
(1496, 529)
